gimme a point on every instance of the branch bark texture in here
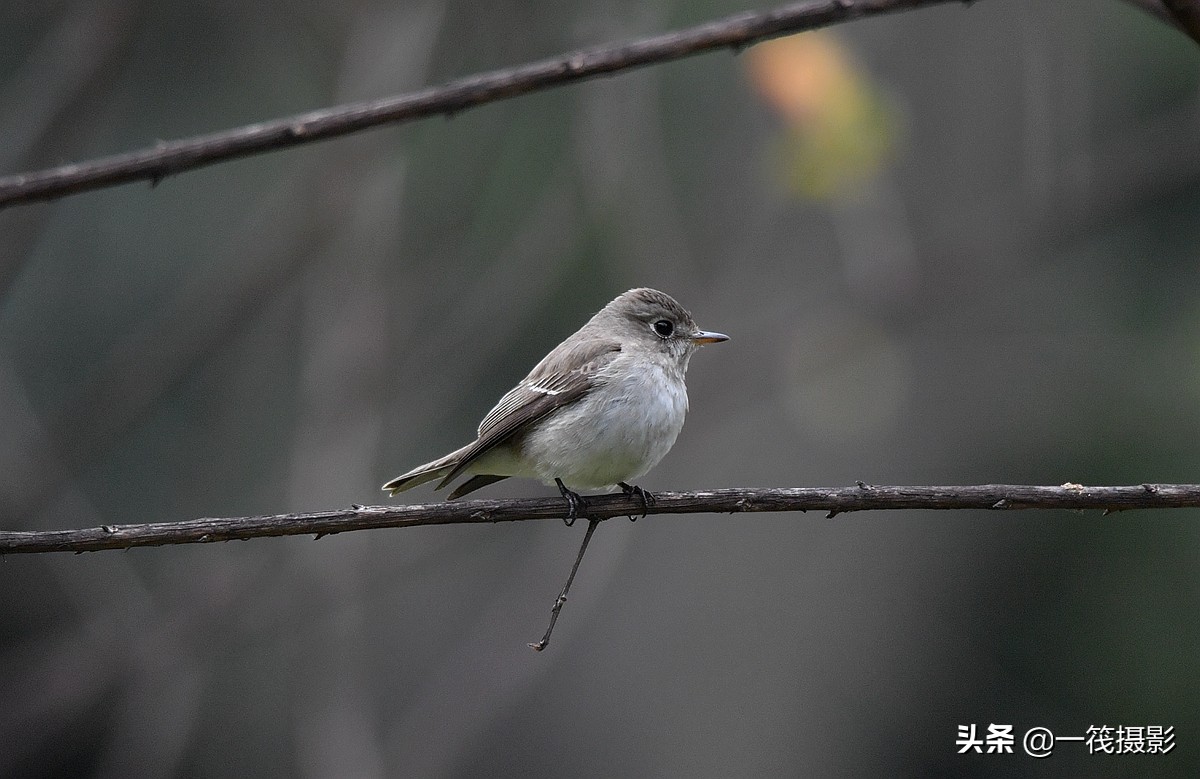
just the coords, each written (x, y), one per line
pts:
(862, 497)
(167, 158)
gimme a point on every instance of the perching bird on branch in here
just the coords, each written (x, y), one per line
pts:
(600, 410)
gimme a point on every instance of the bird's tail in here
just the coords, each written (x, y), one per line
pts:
(423, 473)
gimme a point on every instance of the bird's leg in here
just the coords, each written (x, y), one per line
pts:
(575, 501)
(646, 497)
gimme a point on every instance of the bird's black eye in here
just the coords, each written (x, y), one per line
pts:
(664, 328)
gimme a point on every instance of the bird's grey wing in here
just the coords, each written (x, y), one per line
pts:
(548, 387)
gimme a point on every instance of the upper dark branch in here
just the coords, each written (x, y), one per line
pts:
(1183, 15)
(1187, 14)
(167, 158)
(1156, 9)
(833, 500)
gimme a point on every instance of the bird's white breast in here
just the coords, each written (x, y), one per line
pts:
(615, 433)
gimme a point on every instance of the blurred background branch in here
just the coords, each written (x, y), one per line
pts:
(168, 158)
(1157, 9)
(1184, 15)
(862, 497)
(1187, 14)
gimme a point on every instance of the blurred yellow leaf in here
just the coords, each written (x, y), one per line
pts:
(839, 129)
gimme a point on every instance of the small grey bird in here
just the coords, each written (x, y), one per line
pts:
(600, 410)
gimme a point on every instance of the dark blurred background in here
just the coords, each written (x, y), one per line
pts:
(950, 246)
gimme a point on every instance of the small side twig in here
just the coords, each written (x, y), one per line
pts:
(538, 646)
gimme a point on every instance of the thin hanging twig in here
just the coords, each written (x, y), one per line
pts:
(538, 646)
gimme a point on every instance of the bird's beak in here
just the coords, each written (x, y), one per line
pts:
(703, 337)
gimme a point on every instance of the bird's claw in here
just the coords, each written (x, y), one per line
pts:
(646, 498)
(578, 506)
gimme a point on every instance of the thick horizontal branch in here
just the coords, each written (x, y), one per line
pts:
(167, 158)
(862, 497)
